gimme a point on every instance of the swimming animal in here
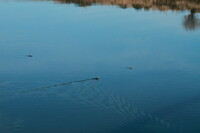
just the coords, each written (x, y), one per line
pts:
(29, 55)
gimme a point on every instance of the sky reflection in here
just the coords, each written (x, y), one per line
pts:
(69, 43)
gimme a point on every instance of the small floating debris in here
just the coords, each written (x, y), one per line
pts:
(29, 55)
(130, 67)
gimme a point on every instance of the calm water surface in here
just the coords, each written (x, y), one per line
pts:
(147, 61)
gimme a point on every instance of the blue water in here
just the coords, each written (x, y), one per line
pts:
(147, 63)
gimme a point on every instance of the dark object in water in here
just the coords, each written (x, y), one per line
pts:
(130, 67)
(97, 78)
(29, 55)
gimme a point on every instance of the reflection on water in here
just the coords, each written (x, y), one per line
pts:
(147, 62)
(191, 21)
(162, 5)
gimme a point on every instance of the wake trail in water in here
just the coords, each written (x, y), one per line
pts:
(99, 97)
(89, 92)
(120, 105)
(56, 85)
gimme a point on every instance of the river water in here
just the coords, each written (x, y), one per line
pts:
(99, 67)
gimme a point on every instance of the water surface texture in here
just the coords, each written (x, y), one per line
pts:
(99, 66)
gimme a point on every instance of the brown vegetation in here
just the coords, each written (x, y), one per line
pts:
(162, 5)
